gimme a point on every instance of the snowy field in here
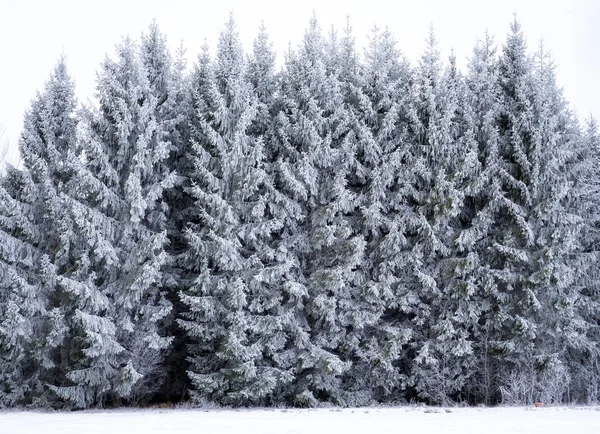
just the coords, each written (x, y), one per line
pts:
(419, 420)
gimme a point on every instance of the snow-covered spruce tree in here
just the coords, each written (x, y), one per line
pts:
(556, 227)
(293, 179)
(441, 342)
(508, 238)
(584, 363)
(285, 274)
(480, 183)
(359, 309)
(361, 88)
(168, 84)
(263, 77)
(234, 283)
(318, 127)
(35, 216)
(534, 235)
(86, 342)
(25, 281)
(117, 208)
(387, 86)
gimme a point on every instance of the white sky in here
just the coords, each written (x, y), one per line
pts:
(33, 34)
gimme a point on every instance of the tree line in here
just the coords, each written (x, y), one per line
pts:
(347, 229)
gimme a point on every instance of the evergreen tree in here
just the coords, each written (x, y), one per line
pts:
(584, 363)
(168, 86)
(505, 257)
(24, 289)
(35, 215)
(322, 147)
(233, 317)
(531, 254)
(336, 250)
(294, 132)
(285, 274)
(481, 186)
(388, 87)
(364, 159)
(290, 171)
(556, 228)
(435, 201)
(117, 208)
(263, 77)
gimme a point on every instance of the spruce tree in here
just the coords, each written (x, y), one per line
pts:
(117, 209)
(532, 251)
(584, 366)
(556, 227)
(233, 317)
(435, 200)
(481, 186)
(25, 284)
(336, 251)
(35, 209)
(387, 86)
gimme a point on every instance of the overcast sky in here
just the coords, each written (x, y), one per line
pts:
(33, 34)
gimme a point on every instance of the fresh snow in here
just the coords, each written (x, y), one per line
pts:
(422, 420)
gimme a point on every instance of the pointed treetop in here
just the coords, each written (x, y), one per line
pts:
(430, 60)
(515, 25)
(483, 61)
(180, 63)
(312, 38)
(432, 53)
(515, 41)
(486, 47)
(230, 54)
(156, 57)
(543, 57)
(154, 33)
(431, 39)
(204, 51)
(591, 132)
(204, 60)
(382, 56)
(49, 127)
(118, 74)
(452, 59)
(262, 65)
(314, 21)
(61, 84)
(514, 62)
(263, 46)
(60, 71)
(348, 50)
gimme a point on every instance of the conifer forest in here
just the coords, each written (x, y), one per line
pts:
(342, 227)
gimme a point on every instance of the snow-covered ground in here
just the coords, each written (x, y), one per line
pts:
(417, 420)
